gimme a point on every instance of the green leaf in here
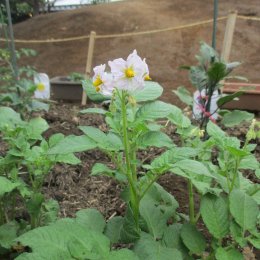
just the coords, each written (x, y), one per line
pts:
(256, 197)
(207, 54)
(154, 127)
(215, 131)
(179, 119)
(72, 144)
(244, 209)
(154, 138)
(249, 162)
(217, 72)
(113, 229)
(61, 240)
(114, 141)
(173, 155)
(91, 219)
(110, 142)
(156, 195)
(95, 246)
(153, 217)
(36, 127)
(255, 242)
(56, 138)
(227, 98)
(8, 232)
(34, 204)
(257, 173)
(49, 212)
(191, 167)
(152, 90)
(122, 254)
(9, 117)
(172, 237)
(154, 110)
(69, 158)
(237, 234)
(148, 249)
(94, 133)
(228, 254)
(193, 239)
(203, 184)
(94, 110)
(102, 169)
(184, 95)
(6, 186)
(37, 105)
(129, 232)
(198, 77)
(236, 117)
(215, 214)
(91, 92)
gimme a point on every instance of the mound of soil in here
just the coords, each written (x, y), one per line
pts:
(165, 51)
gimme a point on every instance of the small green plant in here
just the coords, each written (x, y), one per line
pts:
(207, 78)
(18, 92)
(23, 170)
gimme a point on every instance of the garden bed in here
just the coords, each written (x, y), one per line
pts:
(73, 186)
(75, 189)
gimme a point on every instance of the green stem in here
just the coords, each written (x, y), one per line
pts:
(235, 175)
(133, 164)
(2, 214)
(131, 176)
(149, 186)
(191, 203)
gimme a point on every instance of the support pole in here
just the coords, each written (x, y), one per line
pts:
(228, 37)
(91, 46)
(215, 17)
(11, 35)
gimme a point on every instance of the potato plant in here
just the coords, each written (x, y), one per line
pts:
(152, 227)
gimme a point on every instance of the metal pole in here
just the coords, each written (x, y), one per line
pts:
(215, 24)
(11, 35)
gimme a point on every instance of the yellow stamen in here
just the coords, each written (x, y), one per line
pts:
(97, 88)
(40, 87)
(147, 77)
(98, 81)
(129, 73)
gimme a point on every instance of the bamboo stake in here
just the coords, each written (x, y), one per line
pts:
(91, 46)
(228, 37)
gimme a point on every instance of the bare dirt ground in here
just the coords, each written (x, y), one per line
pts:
(165, 51)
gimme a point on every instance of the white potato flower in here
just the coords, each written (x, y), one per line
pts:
(129, 74)
(103, 81)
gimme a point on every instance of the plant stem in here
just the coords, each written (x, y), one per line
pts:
(2, 214)
(131, 176)
(235, 175)
(191, 203)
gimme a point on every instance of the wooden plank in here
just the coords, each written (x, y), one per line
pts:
(91, 46)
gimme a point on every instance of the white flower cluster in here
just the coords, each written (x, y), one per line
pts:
(128, 74)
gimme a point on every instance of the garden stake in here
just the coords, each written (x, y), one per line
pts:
(215, 14)
(12, 45)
